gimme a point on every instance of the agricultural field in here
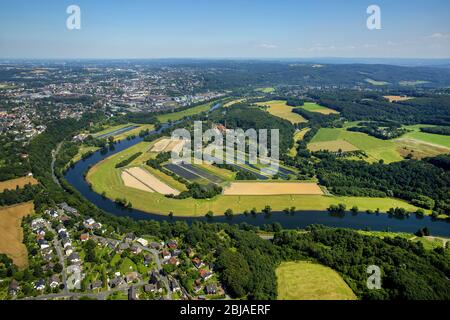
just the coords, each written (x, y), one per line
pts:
(310, 281)
(82, 150)
(266, 90)
(11, 233)
(314, 107)
(175, 116)
(282, 110)
(168, 145)
(376, 82)
(397, 98)
(233, 102)
(113, 130)
(339, 138)
(141, 179)
(104, 177)
(19, 182)
(272, 188)
(412, 83)
(134, 132)
(299, 135)
(433, 139)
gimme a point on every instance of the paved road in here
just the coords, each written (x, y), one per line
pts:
(60, 254)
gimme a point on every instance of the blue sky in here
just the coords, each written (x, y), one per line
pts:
(224, 29)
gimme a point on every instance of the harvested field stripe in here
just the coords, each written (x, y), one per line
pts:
(19, 182)
(151, 181)
(132, 182)
(268, 189)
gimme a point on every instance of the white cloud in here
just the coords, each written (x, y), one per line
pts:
(439, 36)
(267, 46)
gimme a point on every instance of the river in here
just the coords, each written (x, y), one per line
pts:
(362, 221)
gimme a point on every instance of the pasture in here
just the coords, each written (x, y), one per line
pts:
(280, 109)
(19, 182)
(310, 281)
(11, 233)
(376, 82)
(376, 149)
(314, 107)
(266, 90)
(175, 116)
(434, 139)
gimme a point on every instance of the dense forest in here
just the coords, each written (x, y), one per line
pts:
(420, 182)
(359, 105)
(235, 75)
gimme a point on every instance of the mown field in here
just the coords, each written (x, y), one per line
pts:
(310, 281)
(175, 116)
(266, 90)
(104, 177)
(376, 149)
(280, 109)
(11, 233)
(19, 182)
(314, 107)
(436, 139)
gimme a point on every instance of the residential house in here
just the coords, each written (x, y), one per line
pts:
(174, 286)
(150, 288)
(84, 237)
(154, 277)
(197, 262)
(89, 223)
(64, 206)
(142, 242)
(116, 282)
(73, 269)
(66, 243)
(166, 255)
(74, 258)
(136, 249)
(38, 223)
(129, 237)
(13, 288)
(148, 259)
(60, 229)
(172, 244)
(131, 276)
(54, 281)
(174, 261)
(205, 274)
(40, 285)
(132, 293)
(123, 247)
(211, 289)
(96, 285)
(155, 245)
(68, 251)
